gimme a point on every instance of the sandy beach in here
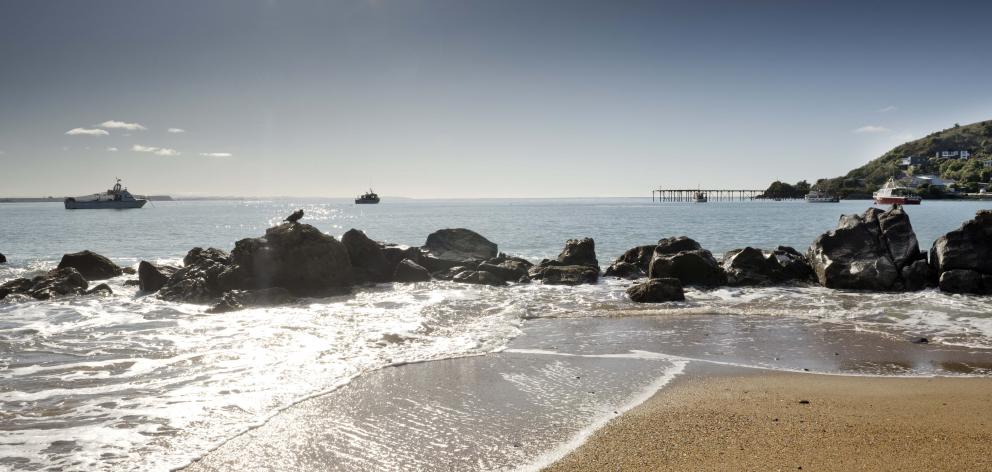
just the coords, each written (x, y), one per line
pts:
(715, 418)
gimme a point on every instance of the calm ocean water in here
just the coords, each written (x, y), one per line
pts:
(134, 383)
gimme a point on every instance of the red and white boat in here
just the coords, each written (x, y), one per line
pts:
(892, 194)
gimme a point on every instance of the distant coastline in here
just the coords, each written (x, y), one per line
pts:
(154, 198)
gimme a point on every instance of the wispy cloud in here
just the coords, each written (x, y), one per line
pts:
(176, 130)
(112, 149)
(87, 132)
(114, 124)
(155, 150)
(888, 109)
(216, 154)
(871, 129)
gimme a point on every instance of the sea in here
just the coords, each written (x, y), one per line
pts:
(130, 382)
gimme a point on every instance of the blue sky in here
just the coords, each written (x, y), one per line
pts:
(473, 99)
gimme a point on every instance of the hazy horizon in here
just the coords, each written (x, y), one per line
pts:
(466, 99)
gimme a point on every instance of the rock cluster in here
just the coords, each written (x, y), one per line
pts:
(874, 251)
(91, 265)
(962, 259)
(57, 282)
(577, 264)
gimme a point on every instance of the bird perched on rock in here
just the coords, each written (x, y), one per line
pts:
(295, 216)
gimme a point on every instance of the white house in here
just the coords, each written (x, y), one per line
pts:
(953, 154)
(932, 180)
(987, 164)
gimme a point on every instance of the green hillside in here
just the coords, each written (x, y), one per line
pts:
(976, 138)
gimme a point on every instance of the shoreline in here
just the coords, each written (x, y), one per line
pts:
(719, 418)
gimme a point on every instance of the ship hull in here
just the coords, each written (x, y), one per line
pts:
(897, 201)
(107, 205)
(366, 202)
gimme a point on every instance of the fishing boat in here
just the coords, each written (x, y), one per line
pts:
(117, 198)
(891, 193)
(700, 197)
(820, 197)
(369, 197)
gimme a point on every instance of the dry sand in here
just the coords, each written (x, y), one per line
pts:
(735, 419)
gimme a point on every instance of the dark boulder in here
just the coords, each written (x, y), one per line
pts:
(3, 258)
(366, 256)
(478, 277)
(634, 263)
(898, 236)
(565, 274)
(580, 252)
(751, 266)
(667, 289)
(684, 259)
(510, 269)
(295, 256)
(459, 244)
(409, 271)
(129, 270)
(675, 245)
(91, 265)
(152, 277)
(962, 281)
(436, 265)
(396, 253)
(240, 299)
(55, 283)
(102, 290)
(207, 274)
(624, 270)
(856, 254)
(967, 248)
(917, 276)
(577, 264)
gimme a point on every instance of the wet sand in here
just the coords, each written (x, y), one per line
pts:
(564, 380)
(714, 418)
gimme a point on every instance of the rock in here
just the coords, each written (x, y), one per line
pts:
(751, 266)
(367, 259)
(102, 290)
(685, 260)
(565, 275)
(409, 271)
(675, 245)
(917, 276)
(459, 244)
(967, 248)
(129, 270)
(920, 341)
(207, 274)
(294, 256)
(395, 254)
(624, 270)
(577, 264)
(899, 237)
(660, 290)
(580, 252)
(152, 277)
(58, 282)
(240, 299)
(509, 269)
(478, 277)
(3, 258)
(132, 283)
(961, 281)
(855, 255)
(90, 265)
(639, 256)
(436, 265)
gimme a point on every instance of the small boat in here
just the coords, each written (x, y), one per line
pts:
(117, 198)
(700, 197)
(369, 197)
(820, 197)
(893, 194)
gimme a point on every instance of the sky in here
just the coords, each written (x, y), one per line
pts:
(465, 99)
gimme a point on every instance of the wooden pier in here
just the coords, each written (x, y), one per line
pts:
(713, 195)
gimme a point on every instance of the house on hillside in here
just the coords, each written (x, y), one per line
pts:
(932, 180)
(913, 161)
(987, 164)
(952, 154)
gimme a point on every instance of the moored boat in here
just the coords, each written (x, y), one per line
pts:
(369, 197)
(820, 197)
(700, 197)
(893, 194)
(117, 198)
